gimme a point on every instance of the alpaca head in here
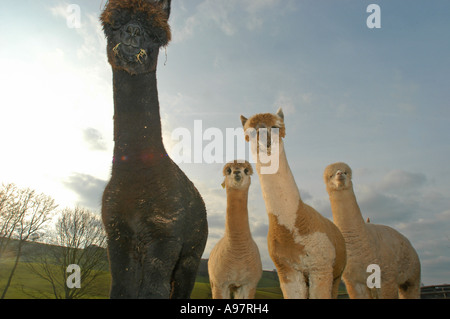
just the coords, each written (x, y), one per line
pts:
(237, 175)
(135, 31)
(268, 122)
(338, 177)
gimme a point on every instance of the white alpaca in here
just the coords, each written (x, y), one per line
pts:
(234, 264)
(369, 244)
(307, 248)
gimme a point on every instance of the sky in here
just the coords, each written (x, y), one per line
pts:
(377, 99)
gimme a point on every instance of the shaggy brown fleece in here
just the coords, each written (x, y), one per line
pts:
(154, 13)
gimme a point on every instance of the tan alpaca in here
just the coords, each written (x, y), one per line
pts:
(307, 248)
(235, 264)
(370, 244)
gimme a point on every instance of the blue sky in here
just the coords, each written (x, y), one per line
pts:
(377, 99)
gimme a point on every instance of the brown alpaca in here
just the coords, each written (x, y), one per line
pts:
(370, 244)
(307, 249)
(234, 264)
(154, 217)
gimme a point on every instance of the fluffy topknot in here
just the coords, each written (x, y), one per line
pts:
(333, 182)
(331, 169)
(156, 13)
(265, 120)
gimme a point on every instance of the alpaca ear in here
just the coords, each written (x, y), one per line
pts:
(280, 113)
(243, 120)
(165, 4)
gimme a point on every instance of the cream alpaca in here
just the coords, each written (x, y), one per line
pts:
(307, 249)
(234, 263)
(369, 244)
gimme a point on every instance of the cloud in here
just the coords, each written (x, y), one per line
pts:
(408, 202)
(94, 139)
(399, 196)
(430, 236)
(230, 16)
(386, 208)
(88, 188)
(401, 180)
(61, 10)
(260, 230)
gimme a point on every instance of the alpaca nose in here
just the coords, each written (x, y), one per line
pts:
(339, 173)
(134, 30)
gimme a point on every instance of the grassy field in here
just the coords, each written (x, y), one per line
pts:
(26, 285)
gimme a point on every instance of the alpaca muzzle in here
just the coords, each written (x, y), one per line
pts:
(128, 53)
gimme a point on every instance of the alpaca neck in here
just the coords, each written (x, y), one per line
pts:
(347, 216)
(280, 190)
(237, 228)
(137, 122)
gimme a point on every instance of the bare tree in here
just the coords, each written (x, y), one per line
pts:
(8, 219)
(23, 214)
(78, 239)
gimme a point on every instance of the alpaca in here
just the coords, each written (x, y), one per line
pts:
(154, 217)
(307, 249)
(234, 264)
(370, 244)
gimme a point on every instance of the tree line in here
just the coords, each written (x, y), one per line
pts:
(72, 236)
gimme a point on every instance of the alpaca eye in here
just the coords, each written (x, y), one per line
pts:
(228, 171)
(246, 171)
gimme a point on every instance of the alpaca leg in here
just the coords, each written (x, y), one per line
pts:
(293, 285)
(252, 293)
(220, 291)
(245, 292)
(357, 291)
(389, 290)
(240, 293)
(158, 263)
(321, 285)
(409, 291)
(122, 270)
(335, 289)
(216, 291)
(184, 276)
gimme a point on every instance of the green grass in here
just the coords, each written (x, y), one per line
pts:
(26, 285)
